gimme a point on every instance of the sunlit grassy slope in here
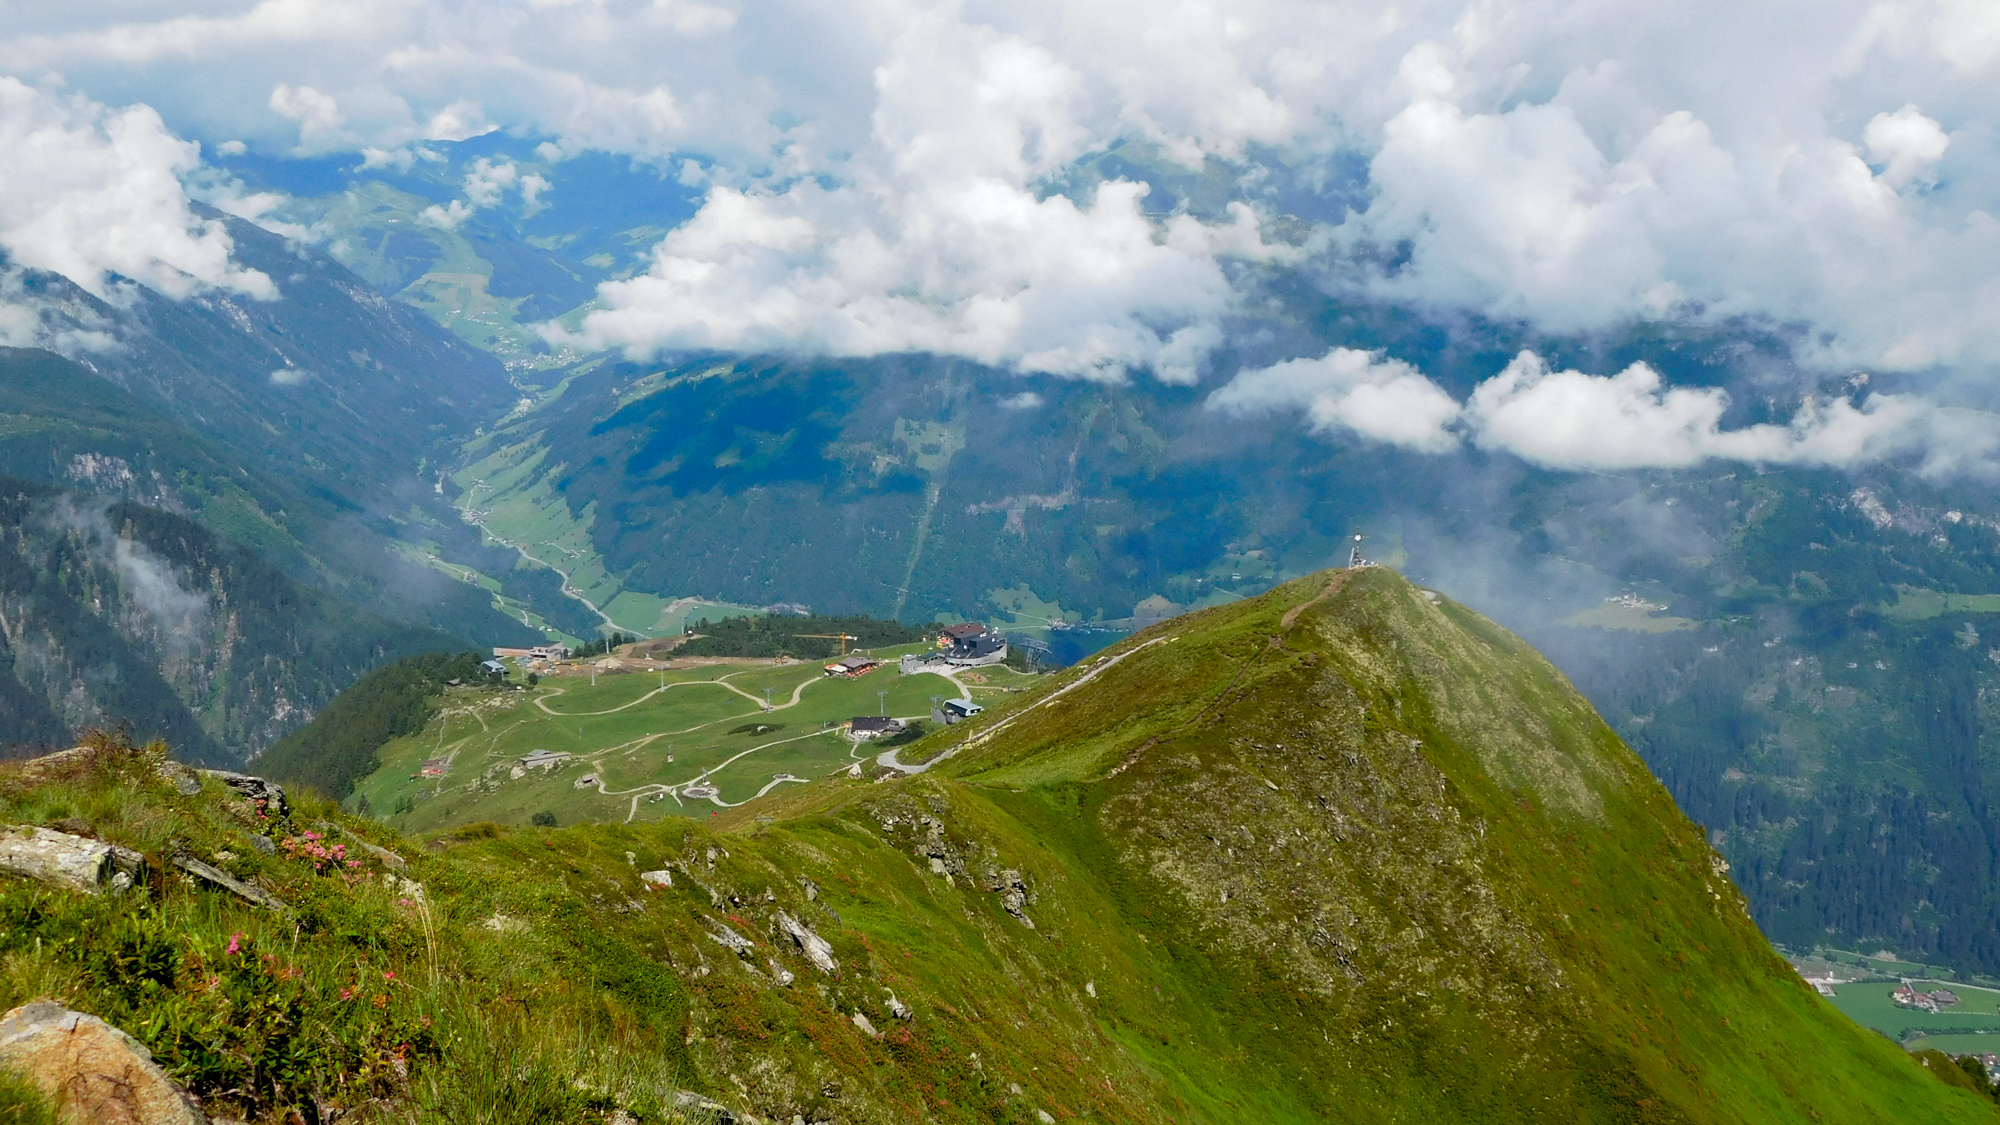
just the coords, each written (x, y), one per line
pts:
(1340, 853)
(641, 733)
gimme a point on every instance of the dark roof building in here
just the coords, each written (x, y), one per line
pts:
(962, 632)
(868, 726)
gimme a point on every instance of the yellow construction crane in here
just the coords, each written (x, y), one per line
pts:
(843, 638)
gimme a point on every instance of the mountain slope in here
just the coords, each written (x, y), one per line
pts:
(1337, 853)
(113, 612)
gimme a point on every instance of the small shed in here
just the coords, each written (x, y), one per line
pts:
(956, 709)
(873, 726)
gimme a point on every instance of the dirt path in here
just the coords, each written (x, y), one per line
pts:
(1103, 665)
(1333, 586)
(722, 681)
(673, 788)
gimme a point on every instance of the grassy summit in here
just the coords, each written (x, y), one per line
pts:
(1344, 852)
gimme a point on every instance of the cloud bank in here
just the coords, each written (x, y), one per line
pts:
(90, 192)
(1574, 421)
(888, 175)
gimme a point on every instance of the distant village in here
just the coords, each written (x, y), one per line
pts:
(1934, 1001)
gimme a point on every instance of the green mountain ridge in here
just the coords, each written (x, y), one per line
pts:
(1342, 852)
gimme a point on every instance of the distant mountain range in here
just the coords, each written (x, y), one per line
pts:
(1802, 655)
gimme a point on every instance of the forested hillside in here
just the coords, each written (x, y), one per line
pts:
(115, 614)
(338, 747)
(807, 637)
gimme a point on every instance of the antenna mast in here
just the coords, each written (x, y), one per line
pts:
(1354, 560)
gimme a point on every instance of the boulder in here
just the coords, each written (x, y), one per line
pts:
(729, 939)
(71, 862)
(94, 1072)
(184, 779)
(815, 947)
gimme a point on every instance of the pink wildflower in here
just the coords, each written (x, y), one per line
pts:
(389, 975)
(347, 994)
(235, 943)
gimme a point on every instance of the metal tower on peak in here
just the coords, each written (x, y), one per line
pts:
(1354, 559)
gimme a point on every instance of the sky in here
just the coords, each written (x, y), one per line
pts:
(879, 175)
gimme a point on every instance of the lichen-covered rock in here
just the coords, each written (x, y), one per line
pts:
(94, 1072)
(70, 862)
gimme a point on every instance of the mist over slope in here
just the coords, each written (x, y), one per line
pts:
(120, 616)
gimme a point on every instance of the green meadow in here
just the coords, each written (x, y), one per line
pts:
(1869, 1005)
(646, 737)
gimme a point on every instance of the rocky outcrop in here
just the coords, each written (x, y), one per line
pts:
(811, 944)
(255, 790)
(1013, 893)
(94, 1072)
(70, 862)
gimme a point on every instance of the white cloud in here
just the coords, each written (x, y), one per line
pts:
(1832, 165)
(1574, 421)
(941, 241)
(322, 127)
(487, 181)
(1907, 143)
(88, 192)
(1384, 400)
(447, 217)
(1570, 420)
(461, 120)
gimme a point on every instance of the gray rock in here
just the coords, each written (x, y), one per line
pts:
(784, 976)
(865, 1025)
(230, 883)
(687, 1101)
(811, 944)
(899, 1009)
(729, 939)
(96, 1072)
(71, 862)
(254, 789)
(661, 878)
(1014, 896)
(264, 845)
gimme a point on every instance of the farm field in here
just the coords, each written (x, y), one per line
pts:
(1956, 1044)
(646, 738)
(1869, 1005)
